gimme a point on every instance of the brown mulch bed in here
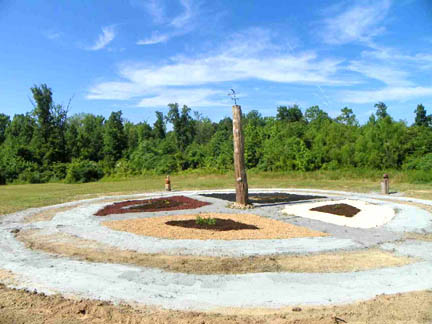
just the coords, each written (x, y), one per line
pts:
(221, 225)
(151, 205)
(338, 209)
(264, 197)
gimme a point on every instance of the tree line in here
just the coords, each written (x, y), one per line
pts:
(48, 145)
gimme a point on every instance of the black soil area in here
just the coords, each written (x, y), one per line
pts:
(151, 205)
(221, 225)
(154, 204)
(338, 209)
(264, 197)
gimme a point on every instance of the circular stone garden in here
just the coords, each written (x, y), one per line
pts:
(191, 251)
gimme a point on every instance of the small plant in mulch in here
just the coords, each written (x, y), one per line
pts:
(151, 205)
(205, 221)
(338, 209)
(214, 224)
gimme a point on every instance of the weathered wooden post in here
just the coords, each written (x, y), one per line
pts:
(167, 183)
(385, 185)
(239, 163)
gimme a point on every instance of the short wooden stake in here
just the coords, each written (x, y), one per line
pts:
(239, 163)
(385, 185)
(167, 183)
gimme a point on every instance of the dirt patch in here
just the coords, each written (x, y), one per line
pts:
(338, 209)
(157, 227)
(49, 214)
(24, 307)
(264, 197)
(151, 205)
(417, 236)
(46, 215)
(72, 246)
(219, 225)
(7, 277)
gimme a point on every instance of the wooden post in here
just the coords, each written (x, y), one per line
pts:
(239, 164)
(167, 183)
(385, 185)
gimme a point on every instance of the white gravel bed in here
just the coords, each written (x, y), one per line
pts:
(369, 216)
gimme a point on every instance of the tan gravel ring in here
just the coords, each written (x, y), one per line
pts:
(156, 227)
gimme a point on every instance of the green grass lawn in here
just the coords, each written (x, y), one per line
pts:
(18, 197)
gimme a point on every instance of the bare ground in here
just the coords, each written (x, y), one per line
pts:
(72, 246)
(23, 307)
(47, 215)
(421, 237)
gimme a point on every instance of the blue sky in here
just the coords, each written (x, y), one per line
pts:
(140, 55)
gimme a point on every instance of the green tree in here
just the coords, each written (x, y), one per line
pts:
(289, 114)
(421, 118)
(114, 137)
(159, 126)
(381, 110)
(4, 124)
(49, 140)
(314, 113)
(347, 117)
(183, 124)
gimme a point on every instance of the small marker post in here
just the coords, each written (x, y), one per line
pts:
(167, 183)
(385, 185)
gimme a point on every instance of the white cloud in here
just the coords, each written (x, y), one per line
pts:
(156, 38)
(184, 18)
(386, 94)
(52, 35)
(358, 23)
(107, 36)
(197, 97)
(177, 26)
(382, 71)
(155, 9)
(250, 55)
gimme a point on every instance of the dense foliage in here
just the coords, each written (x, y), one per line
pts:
(47, 145)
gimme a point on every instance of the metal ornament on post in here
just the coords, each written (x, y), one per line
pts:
(239, 164)
(385, 185)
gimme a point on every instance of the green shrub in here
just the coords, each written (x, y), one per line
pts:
(205, 221)
(423, 163)
(2, 177)
(80, 171)
(29, 176)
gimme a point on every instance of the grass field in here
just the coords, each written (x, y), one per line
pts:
(18, 197)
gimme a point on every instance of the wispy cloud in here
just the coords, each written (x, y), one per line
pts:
(156, 10)
(386, 94)
(155, 38)
(246, 56)
(185, 17)
(386, 73)
(106, 37)
(398, 72)
(201, 97)
(361, 22)
(177, 26)
(52, 34)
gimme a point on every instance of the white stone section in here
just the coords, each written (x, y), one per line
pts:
(370, 215)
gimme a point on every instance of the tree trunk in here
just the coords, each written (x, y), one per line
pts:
(239, 164)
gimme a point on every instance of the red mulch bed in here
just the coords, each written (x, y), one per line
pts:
(151, 205)
(338, 209)
(221, 225)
